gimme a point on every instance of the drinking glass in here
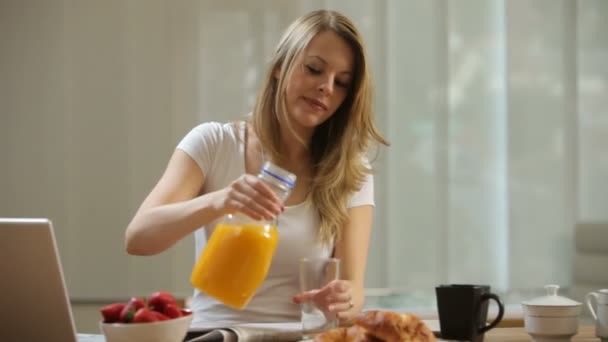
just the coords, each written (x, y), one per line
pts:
(315, 273)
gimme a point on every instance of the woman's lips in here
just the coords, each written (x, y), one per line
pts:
(315, 104)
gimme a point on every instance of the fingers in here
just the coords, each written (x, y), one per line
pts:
(319, 296)
(250, 207)
(342, 301)
(261, 188)
(252, 197)
(340, 308)
(305, 296)
(344, 298)
(335, 299)
(347, 313)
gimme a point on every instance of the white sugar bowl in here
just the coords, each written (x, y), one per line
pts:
(551, 318)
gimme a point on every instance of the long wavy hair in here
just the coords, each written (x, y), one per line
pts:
(339, 144)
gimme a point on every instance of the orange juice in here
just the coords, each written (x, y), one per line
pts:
(235, 261)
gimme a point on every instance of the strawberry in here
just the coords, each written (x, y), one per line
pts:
(144, 315)
(111, 313)
(128, 312)
(137, 302)
(172, 311)
(158, 300)
(160, 315)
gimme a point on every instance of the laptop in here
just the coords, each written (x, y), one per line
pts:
(34, 303)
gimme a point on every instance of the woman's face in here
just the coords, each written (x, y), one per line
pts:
(321, 79)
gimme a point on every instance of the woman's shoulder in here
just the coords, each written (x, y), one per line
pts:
(219, 131)
(219, 127)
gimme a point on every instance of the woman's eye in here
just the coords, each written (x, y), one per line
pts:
(313, 70)
(342, 84)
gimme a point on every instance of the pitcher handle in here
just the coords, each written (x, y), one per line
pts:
(501, 311)
(588, 299)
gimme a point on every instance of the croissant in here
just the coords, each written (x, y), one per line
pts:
(351, 334)
(378, 325)
(392, 326)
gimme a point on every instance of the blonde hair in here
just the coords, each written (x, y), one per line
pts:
(338, 146)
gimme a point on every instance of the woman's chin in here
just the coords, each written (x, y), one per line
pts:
(310, 120)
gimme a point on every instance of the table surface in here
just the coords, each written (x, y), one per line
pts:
(585, 334)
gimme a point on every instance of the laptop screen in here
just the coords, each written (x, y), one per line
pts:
(33, 295)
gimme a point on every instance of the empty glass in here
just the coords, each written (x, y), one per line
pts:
(315, 273)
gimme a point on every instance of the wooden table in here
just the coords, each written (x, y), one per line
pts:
(585, 334)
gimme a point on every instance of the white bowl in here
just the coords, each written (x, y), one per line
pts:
(551, 328)
(172, 330)
(551, 317)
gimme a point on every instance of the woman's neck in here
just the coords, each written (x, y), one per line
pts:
(295, 150)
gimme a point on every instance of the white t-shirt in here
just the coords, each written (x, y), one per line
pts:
(219, 151)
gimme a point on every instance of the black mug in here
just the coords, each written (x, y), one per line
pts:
(463, 311)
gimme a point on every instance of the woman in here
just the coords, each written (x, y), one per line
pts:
(314, 118)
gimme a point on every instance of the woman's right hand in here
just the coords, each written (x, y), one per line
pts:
(251, 196)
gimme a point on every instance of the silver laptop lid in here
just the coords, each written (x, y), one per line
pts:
(33, 297)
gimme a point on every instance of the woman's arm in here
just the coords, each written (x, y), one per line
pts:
(352, 250)
(172, 210)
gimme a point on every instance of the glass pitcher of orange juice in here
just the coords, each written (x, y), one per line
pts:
(237, 256)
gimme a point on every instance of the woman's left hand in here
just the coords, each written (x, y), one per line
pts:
(335, 300)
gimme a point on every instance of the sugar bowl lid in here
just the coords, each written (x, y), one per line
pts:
(551, 298)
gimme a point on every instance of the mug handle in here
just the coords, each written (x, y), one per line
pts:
(588, 300)
(501, 311)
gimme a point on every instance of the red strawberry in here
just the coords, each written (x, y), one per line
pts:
(158, 300)
(144, 315)
(172, 311)
(137, 302)
(159, 315)
(128, 312)
(111, 313)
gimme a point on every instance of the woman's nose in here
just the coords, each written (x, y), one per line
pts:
(327, 86)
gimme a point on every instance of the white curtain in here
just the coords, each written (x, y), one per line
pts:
(496, 111)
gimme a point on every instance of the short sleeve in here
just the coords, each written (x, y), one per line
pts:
(201, 144)
(365, 195)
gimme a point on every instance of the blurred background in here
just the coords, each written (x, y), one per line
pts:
(496, 111)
